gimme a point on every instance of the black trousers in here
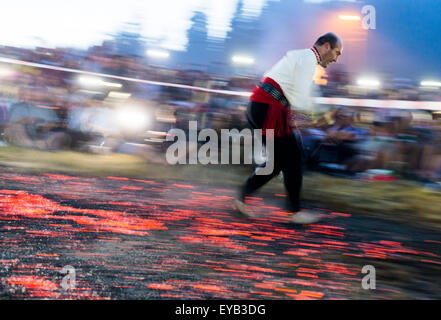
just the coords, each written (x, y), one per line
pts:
(288, 156)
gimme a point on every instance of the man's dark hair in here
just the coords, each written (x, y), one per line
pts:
(328, 37)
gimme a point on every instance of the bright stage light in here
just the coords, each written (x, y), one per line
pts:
(5, 72)
(368, 83)
(244, 60)
(430, 84)
(132, 118)
(95, 82)
(161, 54)
(349, 17)
(119, 95)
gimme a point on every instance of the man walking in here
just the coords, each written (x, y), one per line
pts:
(287, 85)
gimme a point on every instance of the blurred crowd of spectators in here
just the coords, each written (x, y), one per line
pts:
(384, 143)
(51, 109)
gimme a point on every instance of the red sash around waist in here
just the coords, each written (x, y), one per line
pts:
(277, 116)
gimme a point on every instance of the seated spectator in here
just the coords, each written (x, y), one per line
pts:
(333, 140)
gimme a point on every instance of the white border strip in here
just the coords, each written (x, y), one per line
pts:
(369, 103)
(158, 83)
(388, 104)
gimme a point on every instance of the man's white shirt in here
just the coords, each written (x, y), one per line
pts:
(295, 73)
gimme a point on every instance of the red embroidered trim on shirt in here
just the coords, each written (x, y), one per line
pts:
(317, 54)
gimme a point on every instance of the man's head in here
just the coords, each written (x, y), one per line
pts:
(344, 117)
(330, 48)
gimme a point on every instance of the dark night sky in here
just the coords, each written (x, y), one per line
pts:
(405, 43)
(413, 27)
